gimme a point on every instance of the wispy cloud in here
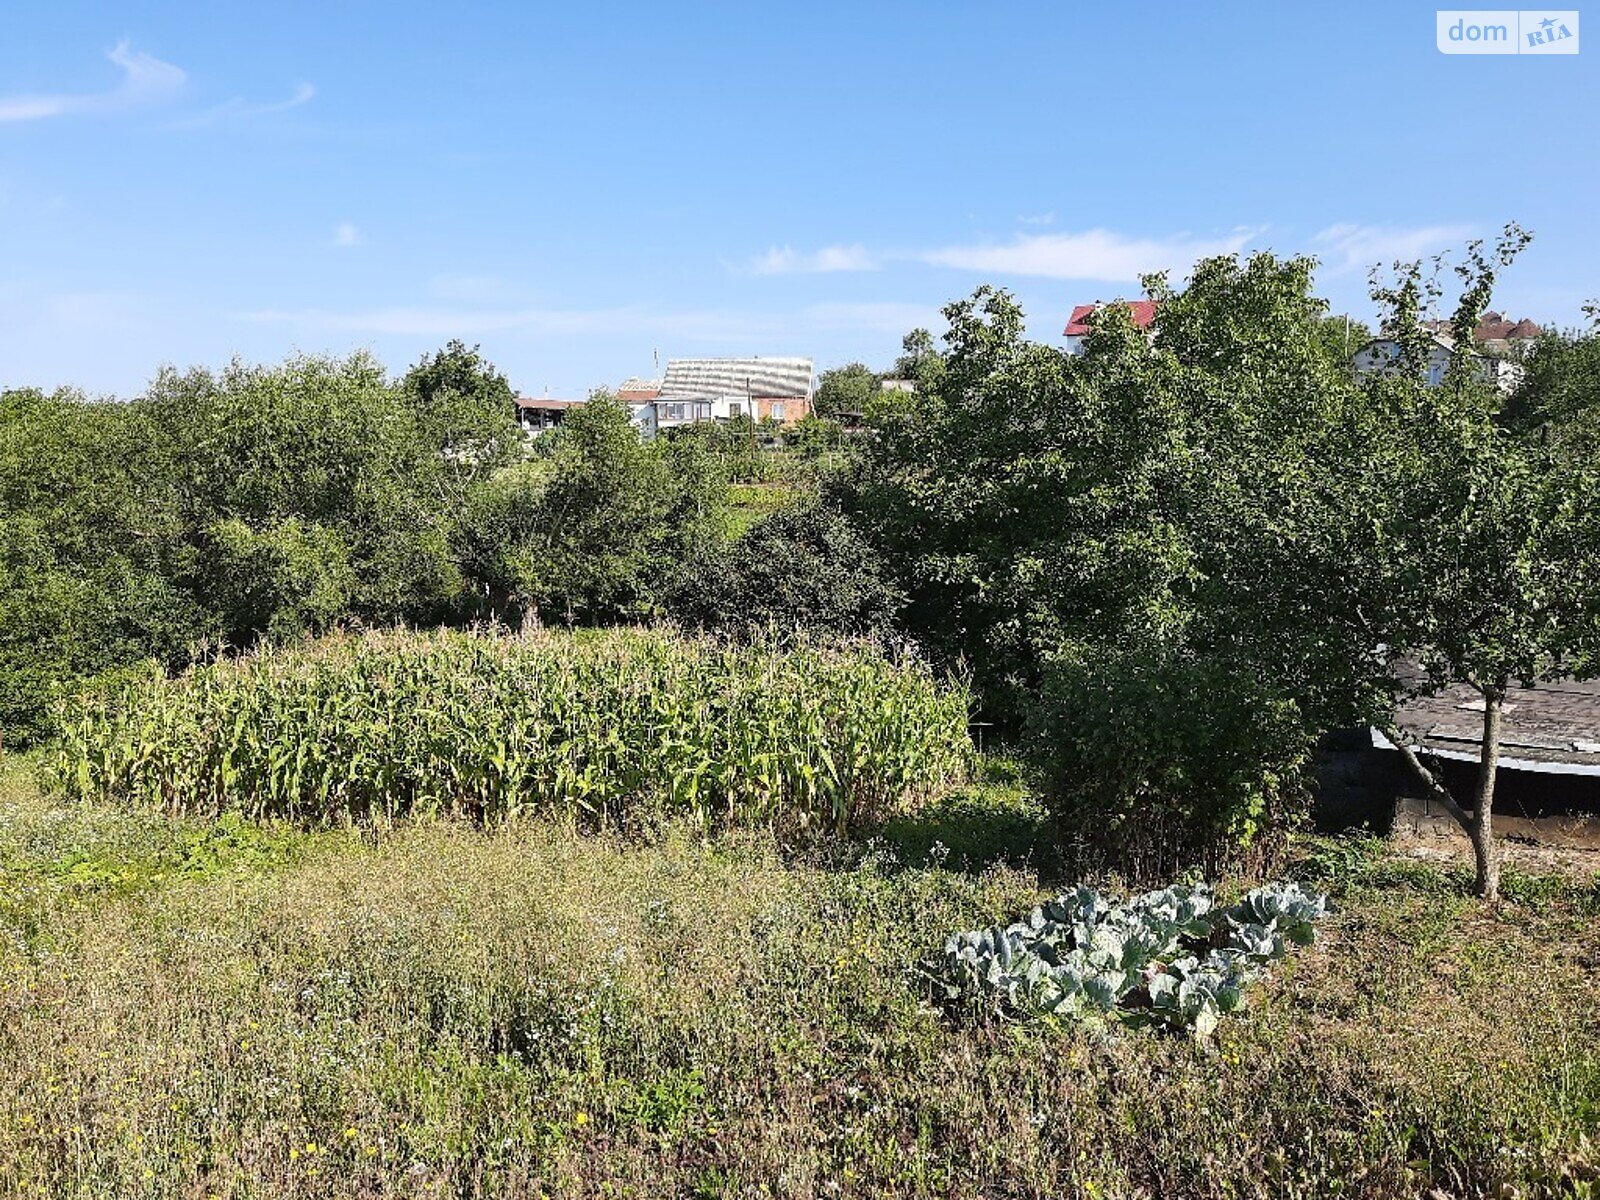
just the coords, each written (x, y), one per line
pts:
(145, 80)
(1092, 254)
(1352, 247)
(1100, 254)
(346, 234)
(785, 260)
(239, 108)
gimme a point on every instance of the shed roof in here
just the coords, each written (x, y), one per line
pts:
(1554, 726)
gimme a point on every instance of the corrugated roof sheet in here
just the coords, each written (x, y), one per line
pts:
(635, 388)
(778, 378)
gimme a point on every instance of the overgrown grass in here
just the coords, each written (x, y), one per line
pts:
(522, 1011)
(749, 502)
(626, 725)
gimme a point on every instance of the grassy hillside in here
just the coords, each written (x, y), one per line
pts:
(191, 1008)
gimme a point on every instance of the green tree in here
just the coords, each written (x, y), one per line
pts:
(89, 551)
(1490, 555)
(920, 359)
(846, 389)
(1339, 337)
(1131, 550)
(465, 408)
(599, 527)
(318, 473)
(1557, 401)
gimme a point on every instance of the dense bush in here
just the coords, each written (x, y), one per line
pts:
(804, 567)
(319, 490)
(1135, 550)
(1154, 761)
(596, 727)
(90, 553)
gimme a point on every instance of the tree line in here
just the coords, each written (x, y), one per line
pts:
(1168, 565)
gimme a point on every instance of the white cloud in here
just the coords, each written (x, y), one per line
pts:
(145, 80)
(785, 260)
(1093, 254)
(98, 310)
(239, 107)
(1352, 247)
(346, 234)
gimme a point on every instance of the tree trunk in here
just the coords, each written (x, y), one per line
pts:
(1484, 850)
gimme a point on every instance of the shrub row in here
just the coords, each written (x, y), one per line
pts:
(595, 727)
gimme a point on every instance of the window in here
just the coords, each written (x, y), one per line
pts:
(776, 411)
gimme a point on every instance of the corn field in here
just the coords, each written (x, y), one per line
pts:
(597, 728)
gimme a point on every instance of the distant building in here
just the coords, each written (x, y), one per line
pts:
(638, 391)
(1144, 315)
(1494, 332)
(1382, 354)
(537, 416)
(696, 390)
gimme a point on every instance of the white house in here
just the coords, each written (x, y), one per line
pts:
(696, 390)
(1383, 354)
(1077, 330)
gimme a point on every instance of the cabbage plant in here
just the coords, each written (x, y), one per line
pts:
(1171, 956)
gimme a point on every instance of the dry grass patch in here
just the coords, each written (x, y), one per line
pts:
(526, 1011)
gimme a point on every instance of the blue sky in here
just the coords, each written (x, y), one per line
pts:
(578, 187)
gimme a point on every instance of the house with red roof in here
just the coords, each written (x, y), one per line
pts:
(1144, 315)
(1495, 333)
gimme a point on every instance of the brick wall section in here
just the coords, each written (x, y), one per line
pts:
(795, 408)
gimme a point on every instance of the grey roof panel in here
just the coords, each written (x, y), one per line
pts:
(767, 377)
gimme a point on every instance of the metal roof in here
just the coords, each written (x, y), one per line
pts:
(772, 378)
(635, 387)
(1549, 727)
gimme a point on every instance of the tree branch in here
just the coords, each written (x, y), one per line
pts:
(1429, 781)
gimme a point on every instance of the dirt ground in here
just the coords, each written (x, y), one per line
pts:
(1568, 844)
